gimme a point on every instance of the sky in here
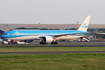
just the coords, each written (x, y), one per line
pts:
(51, 11)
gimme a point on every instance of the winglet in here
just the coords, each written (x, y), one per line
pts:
(85, 24)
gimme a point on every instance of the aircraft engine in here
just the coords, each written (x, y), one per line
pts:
(47, 39)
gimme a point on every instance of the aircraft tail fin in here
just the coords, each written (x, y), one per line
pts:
(85, 24)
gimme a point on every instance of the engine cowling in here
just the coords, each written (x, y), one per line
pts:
(47, 39)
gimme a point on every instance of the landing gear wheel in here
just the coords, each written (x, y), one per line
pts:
(43, 43)
(54, 42)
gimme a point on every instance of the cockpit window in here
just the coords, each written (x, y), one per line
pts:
(5, 34)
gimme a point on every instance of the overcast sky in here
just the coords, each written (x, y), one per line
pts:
(52, 11)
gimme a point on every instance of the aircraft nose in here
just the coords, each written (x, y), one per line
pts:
(3, 36)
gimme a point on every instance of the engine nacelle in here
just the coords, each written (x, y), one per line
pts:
(47, 39)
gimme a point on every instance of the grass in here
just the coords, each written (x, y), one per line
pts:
(53, 62)
(40, 49)
(84, 61)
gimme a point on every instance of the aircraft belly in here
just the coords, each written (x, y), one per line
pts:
(69, 37)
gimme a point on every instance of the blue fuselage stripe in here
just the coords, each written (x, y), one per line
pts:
(20, 33)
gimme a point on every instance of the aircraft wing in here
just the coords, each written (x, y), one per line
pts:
(70, 34)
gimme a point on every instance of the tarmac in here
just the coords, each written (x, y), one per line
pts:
(61, 44)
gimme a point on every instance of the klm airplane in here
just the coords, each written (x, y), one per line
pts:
(46, 36)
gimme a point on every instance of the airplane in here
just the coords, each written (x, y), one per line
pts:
(46, 36)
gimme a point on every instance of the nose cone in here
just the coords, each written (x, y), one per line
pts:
(3, 36)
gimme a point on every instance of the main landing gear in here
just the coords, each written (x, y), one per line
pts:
(54, 42)
(43, 43)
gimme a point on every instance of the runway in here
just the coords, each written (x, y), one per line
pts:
(61, 44)
(55, 52)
